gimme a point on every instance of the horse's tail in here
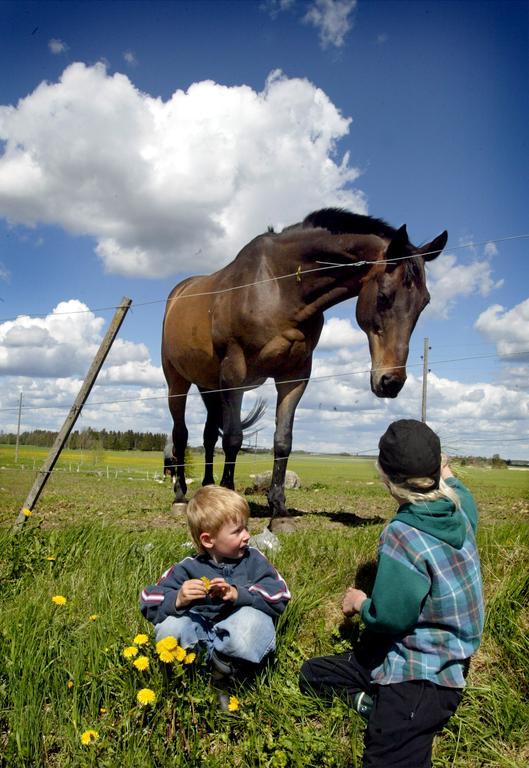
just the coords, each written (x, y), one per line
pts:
(253, 416)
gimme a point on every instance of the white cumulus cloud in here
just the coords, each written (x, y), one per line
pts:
(332, 18)
(162, 185)
(449, 280)
(338, 332)
(57, 46)
(63, 344)
(507, 328)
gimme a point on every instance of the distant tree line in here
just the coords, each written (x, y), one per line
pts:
(92, 439)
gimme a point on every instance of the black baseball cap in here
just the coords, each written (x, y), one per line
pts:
(409, 448)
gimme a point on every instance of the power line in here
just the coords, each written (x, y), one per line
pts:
(250, 387)
(297, 274)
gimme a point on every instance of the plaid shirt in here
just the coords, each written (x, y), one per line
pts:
(450, 622)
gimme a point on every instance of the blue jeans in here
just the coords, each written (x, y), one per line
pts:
(246, 634)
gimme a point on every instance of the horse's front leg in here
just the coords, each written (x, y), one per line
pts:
(288, 396)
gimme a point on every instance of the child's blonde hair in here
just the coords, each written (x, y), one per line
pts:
(415, 489)
(210, 508)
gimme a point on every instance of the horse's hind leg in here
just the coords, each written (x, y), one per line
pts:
(211, 432)
(231, 434)
(178, 389)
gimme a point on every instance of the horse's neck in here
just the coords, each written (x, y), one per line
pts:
(334, 273)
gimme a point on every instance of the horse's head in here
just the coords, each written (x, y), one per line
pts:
(392, 297)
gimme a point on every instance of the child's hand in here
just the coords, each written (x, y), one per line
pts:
(221, 589)
(352, 602)
(193, 589)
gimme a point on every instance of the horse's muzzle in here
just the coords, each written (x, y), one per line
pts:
(388, 385)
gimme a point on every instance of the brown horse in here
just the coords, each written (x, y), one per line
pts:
(261, 316)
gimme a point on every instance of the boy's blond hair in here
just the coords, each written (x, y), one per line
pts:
(210, 508)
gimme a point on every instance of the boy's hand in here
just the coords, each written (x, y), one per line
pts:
(193, 589)
(221, 589)
(352, 602)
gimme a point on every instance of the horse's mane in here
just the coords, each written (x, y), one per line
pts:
(340, 222)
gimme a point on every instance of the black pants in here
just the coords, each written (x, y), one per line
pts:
(405, 716)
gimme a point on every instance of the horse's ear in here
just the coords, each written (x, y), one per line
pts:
(431, 251)
(397, 248)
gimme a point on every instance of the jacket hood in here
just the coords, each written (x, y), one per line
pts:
(438, 518)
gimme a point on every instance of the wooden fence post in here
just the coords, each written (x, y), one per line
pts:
(75, 410)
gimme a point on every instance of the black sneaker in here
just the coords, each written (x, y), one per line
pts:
(363, 704)
(221, 667)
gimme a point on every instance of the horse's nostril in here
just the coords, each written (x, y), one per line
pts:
(391, 385)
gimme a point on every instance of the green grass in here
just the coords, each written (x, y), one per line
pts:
(98, 538)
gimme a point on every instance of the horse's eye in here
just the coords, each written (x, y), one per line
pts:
(384, 301)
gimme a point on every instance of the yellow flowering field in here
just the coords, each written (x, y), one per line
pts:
(83, 683)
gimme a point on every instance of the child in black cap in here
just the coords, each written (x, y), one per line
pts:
(424, 619)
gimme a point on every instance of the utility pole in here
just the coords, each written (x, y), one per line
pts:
(75, 410)
(425, 372)
(18, 426)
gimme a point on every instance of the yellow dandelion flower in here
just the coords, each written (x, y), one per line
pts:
(103, 710)
(141, 640)
(27, 512)
(207, 582)
(88, 737)
(69, 684)
(167, 644)
(130, 651)
(166, 656)
(141, 663)
(93, 616)
(179, 653)
(190, 657)
(51, 558)
(58, 599)
(233, 705)
(146, 696)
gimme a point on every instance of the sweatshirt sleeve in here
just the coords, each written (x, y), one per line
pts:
(266, 589)
(399, 590)
(158, 601)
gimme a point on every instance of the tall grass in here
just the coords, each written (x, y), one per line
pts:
(97, 542)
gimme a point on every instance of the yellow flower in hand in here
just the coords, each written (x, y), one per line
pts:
(146, 696)
(88, 737)
(141, 663)
(141, 640)
(207, 582)
(58, 599)
(130, 651)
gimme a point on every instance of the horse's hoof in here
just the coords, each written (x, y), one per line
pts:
(179, 507)
(282, 525)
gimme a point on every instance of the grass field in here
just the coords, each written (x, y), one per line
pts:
(103, 528)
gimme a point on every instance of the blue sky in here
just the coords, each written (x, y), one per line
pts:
(143, 142)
